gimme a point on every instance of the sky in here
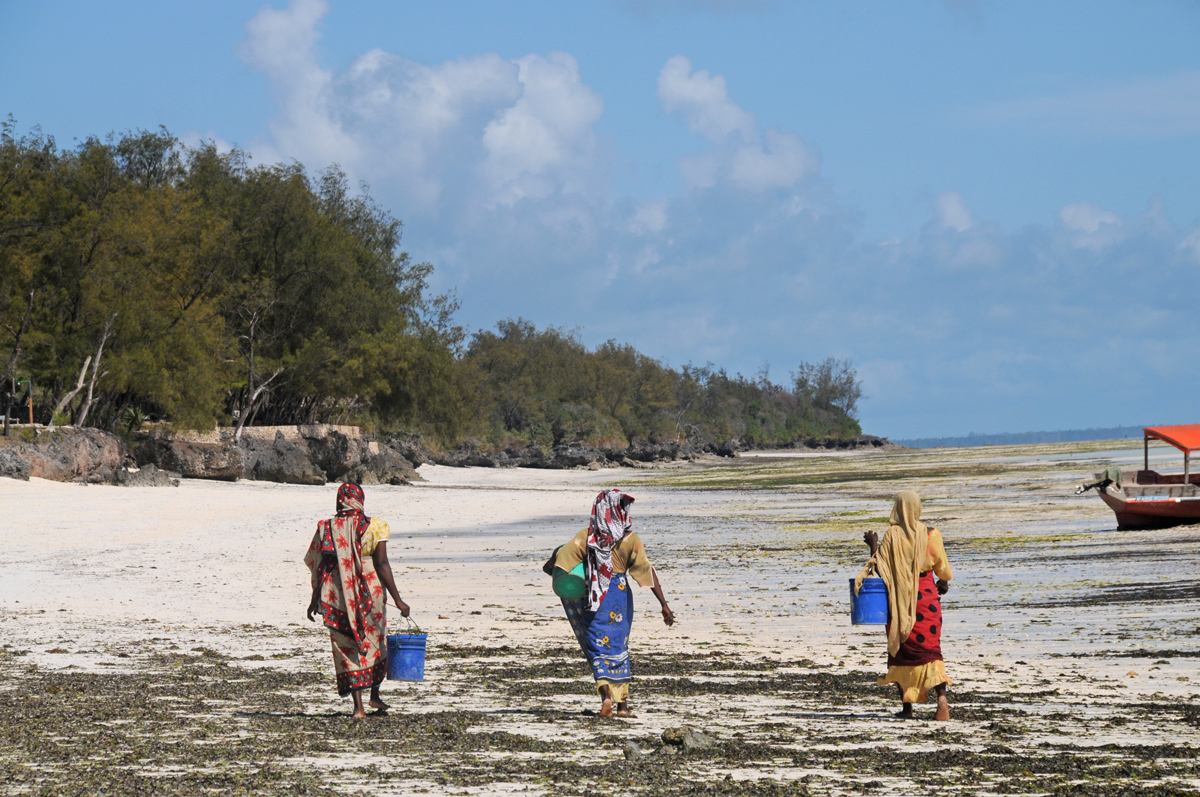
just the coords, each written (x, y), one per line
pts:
(991, 208)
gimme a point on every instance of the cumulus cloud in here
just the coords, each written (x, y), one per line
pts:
(953, 213)
(496, 166)
(649, 218)
(747, 160)
(1086, 218)
(704, 101)
(483, 125)
(544, 141)
(1092, 228)
(282, 43)
(1191, 245)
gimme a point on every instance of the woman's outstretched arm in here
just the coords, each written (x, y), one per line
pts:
(668, 615)
(384, 568)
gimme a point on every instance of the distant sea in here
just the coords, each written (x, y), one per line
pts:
(1021, 438)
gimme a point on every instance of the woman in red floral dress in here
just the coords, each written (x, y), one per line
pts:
(350, 571)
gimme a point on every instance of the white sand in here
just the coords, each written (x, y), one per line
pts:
(107, 572)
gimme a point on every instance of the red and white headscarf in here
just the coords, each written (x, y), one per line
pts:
(609, 525)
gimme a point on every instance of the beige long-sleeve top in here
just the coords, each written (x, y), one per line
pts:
(628, 557)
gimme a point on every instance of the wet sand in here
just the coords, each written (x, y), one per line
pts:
(155, 637)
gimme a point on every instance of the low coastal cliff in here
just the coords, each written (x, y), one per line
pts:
(317, 454)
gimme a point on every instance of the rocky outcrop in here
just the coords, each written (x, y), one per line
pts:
(13, 465)
(408, 446)
(384, 467)
(149, 476)
(280, 460)
(193, 456)
(65, 455)
(313, 454)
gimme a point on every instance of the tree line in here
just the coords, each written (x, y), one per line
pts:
(143, 280)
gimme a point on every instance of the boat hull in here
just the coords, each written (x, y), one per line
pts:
(1152, 512)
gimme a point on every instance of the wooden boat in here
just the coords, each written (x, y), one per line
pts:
(1149, 499)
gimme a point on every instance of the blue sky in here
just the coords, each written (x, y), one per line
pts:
(991, 207)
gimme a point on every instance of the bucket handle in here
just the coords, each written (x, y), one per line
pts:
(412, 628)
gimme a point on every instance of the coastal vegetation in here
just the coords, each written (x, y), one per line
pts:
(144, 280)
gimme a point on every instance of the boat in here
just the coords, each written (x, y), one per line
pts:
(1146, 498)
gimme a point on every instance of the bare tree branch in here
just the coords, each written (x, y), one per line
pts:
(65, 400)
(87, 403)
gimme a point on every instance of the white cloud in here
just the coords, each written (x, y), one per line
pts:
(497, 169)
(953, 213)
(482, 126)
(751, 162)
(1191, 244)
(281, 42)
(1092, 227)
(649, 218)
(1086, 218)
(546, 134)
(703, 100)
(781, 161)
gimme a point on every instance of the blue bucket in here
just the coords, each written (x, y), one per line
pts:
(406, 657)
(870, 605)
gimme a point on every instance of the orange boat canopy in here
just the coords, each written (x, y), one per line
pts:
(1185, 438)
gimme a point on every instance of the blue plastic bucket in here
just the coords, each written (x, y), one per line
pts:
(870, 605)
(406, 657)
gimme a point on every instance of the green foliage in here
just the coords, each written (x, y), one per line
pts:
(205, 291)
(545, 388)
(206, 288)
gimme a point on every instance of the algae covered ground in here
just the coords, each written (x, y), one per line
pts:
(1074, 647)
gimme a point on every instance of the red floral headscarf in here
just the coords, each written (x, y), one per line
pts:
(609, 525)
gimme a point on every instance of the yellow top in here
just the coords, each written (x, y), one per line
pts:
(908, 549)
(935, 557)
(628, 557)
(376, 533)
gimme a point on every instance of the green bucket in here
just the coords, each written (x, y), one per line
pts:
(569, 586)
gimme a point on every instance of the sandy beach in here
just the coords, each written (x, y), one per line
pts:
(155, 639)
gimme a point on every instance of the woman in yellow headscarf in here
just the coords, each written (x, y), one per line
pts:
(907, 559)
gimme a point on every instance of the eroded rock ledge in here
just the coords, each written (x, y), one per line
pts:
(318, 454)
(287, 454)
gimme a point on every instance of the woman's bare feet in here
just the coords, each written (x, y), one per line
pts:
(377, 701)
(905, 713)
(943, 709)
(359, 712)
(606, 708)
(623, 710)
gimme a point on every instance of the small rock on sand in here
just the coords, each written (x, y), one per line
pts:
(686, 737)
